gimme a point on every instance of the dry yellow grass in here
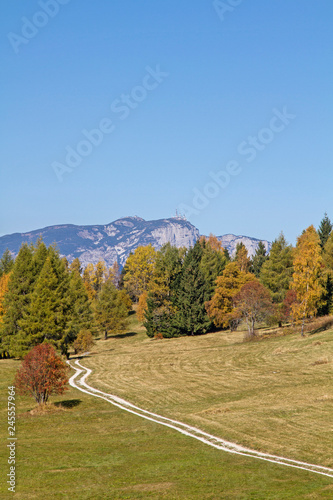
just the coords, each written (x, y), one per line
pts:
(272, 395)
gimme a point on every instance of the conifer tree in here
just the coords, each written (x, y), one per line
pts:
(111, 309)
(191, 294)
(258, 259)
(324, 230)
(308, 265)
(6, 263)
(17, 299)
(213, 260)
(221, 307)
(242, 258)
(45, 318)
(276, 272)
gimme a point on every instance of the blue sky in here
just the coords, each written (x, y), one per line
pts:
(183, 93)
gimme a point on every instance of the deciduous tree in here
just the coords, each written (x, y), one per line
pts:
(42, 373)
(139, 270)
(253, 303)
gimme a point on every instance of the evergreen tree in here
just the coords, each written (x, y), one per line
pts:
(6, 263)
(276, 272)
(258, 259)
(191, 294)
(213, 260)
(324, 230)
(159, 303)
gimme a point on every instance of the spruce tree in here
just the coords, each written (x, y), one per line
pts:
(324, 230)
(191, 294)
(258, 259)
(6, 263)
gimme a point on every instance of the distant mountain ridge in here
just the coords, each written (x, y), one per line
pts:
(114, 242)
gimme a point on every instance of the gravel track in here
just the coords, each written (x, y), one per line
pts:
(78, 381)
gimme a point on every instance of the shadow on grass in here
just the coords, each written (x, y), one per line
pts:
(122, 335)
(69, 403)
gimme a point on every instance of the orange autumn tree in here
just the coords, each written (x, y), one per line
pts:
(308, 266)
(42, 373)
(221, 308)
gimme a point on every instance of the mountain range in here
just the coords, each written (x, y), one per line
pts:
(114, 242)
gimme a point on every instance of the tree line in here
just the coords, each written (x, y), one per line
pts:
(178, 291)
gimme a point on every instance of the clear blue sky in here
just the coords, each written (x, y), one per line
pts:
(224, 78)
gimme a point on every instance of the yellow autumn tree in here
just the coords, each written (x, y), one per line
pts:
(88, 275)
(242, 258)
(142, 307)
(308, 266)
(221, 308)
(139, 270)
(4, 280)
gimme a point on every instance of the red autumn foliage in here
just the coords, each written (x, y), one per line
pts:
(42, 373)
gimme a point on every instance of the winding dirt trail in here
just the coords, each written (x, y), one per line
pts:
(78, 380)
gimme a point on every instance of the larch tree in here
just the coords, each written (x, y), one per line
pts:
(111, 309)
(276, 271)
(242, 258)
(308, 267)
(221, 307)
(138, 271)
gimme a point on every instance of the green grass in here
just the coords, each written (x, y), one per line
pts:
(89, 449)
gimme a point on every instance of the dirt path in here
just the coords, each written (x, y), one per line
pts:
(78, 380)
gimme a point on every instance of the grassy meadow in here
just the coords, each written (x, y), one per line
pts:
(273, 395)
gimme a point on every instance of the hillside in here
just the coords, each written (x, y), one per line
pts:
(114, 241)
(274, 395)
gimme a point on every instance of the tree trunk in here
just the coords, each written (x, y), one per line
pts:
(105, 335)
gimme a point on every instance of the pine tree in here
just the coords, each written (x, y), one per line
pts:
(324, 230)
(276, 272)
(258, 259)
(308, 265)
